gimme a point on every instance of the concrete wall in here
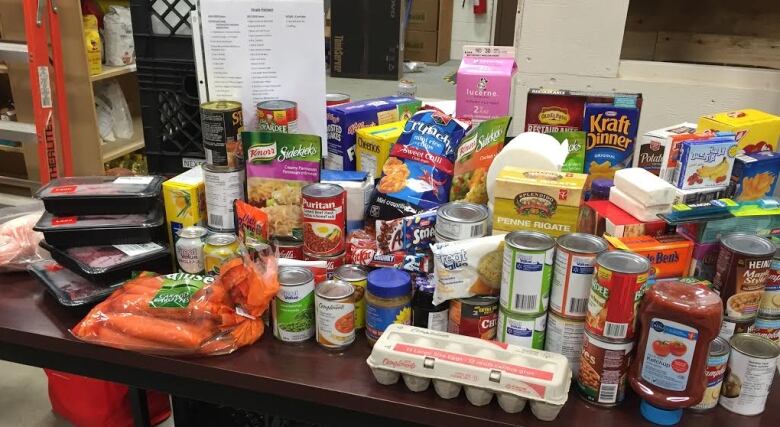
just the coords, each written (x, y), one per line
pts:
(468, 28)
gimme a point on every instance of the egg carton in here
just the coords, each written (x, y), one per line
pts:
(482, 368)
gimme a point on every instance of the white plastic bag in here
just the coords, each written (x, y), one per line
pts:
(18, 242)
(121, 120)
(104, 120)
(118, 33)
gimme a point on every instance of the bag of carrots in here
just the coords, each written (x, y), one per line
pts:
(186, 314)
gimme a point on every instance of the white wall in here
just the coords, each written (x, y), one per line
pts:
(468, 28)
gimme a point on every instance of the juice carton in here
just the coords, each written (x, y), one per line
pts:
(611, 134)
(484, 83)
(705, 163)
(558, 110)
(373, 146)
(669, 255)
(652, 147)
(185, 201)
(754, 176)
(755, 130)
(345, 119)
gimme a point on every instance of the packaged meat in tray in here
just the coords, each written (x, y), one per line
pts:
(89, 195)
(69, 288)
(482, 368)
(112, 263)
(94, 230)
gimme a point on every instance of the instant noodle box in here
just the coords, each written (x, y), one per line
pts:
(373, 146)
(755, 130)
(670, 255)
(535, 200)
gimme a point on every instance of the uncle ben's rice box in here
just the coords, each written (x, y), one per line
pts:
(536, 200)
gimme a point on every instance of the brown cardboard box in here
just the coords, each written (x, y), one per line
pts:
(430, 46)
(421, 46)
(424, 15)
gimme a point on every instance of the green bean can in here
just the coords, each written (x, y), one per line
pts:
(292, 310)
(527, 272)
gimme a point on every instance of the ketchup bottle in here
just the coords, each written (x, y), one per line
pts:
(677, 324)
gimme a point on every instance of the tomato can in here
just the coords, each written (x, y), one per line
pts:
(334, 314)
(221, 124)
(575, 258)
(730, 326)
(223, 185)
(292, 310)
(219, 248)
(332, 99)
(616, 289)
(603, 375)
(277, 116)
(749, 375)
(324, 219)
(474, 317)
(564, 336)
(741, 273)
(333, 261)
(527, 272)
(767, 327)
(715, 371)
(521, 330)
(461, 220)
(357, 276)
(290, 249)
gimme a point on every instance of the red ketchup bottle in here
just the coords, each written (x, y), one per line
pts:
(677, 323)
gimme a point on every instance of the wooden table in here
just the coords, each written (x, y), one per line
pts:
(300, 382)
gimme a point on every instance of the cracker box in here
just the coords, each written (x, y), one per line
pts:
(669, 255)
(185, 202)
(611, 134)
(373, 146)
(484, 82)
(344, 120)
(652, 147)
(705, 163)
(556, 110)
(755, 130)
(754, 176)
(610, 219)
(544, 201)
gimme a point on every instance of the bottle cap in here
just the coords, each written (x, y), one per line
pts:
(389, 283)
(664, 417)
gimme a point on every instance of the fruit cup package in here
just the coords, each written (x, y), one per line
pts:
(482, 368)
(112, 264)
(669, 256)
(705, 163)
(96, 230)
(69, 288)
(754, 176)
(98, 195)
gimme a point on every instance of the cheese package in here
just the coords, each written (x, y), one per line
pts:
(545, 201)
(644, 187)
(669, 256)
(705, 163)
(653, 146)
(754, 176)
(373, 146)
(755, 130)
(610, 219)
(636, 209)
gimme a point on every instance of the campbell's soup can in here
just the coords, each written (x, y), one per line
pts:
(334, 313)
(474, 317)
(564, 336)
(333, 261)
(324, 219)
(575, 259)
(277, 116)
(290, 249)
(715, 371)
(767, 327)
(749, 375)
(616, 290)
(741, 273)
(603, 375)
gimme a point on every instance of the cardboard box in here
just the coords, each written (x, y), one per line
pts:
(669, 256)
(429, 31)
(558, 110)
(754, 176)
(424, 15)
(366, 39)
(484, 83)
(421, 46)
(609, 219)
(755, 130)
(652, 147)
(373, 146)
(185, 202)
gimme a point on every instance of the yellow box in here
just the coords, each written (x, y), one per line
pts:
(535, 200)
(185, 201)
(752, 127)
(373, 146)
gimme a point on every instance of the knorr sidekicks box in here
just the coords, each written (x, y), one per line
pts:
(484, 85)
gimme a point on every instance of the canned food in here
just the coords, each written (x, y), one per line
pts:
(769, 305)
(615, 293)
(335, 314)
(357, 276)
(521, 330)
(290, 249)
(461, 220)
(527, 272)
(219, 248)
(741, 272)
(564, 336)
(223, 186)
(749, 375)
(603, 370)
(716, 370)
(424, 313)
(333, 261)
(575, 257)
(277, 116)
(767, 327)
(221, 124)
(324, 218)
(731, 327)
(189, 249)
(292, 311)
(474, 317)
(332, 99)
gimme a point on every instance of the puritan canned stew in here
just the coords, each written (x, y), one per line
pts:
(575, 259)
(334, 314)
(292, 310)
(527, 272)
(324, 219)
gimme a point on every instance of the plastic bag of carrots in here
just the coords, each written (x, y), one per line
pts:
(186, 314)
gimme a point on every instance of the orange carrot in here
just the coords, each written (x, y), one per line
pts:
(110, 337)
(168, 332)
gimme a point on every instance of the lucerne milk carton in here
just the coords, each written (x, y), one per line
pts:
(484, 83)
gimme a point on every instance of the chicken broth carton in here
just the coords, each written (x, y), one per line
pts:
(484, 83)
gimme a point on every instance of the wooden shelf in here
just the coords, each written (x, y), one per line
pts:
(110, 72)
(10, 149)
(118, 148)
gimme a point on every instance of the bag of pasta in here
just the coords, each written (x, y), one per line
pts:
(186, 314)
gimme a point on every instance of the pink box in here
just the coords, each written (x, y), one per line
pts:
(484, 83)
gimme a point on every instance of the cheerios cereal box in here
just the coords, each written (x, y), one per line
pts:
(611, 134)
(754, 176)
(755, 130)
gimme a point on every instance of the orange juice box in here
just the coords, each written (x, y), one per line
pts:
(669, 255)
(755, 130)
(185, 201)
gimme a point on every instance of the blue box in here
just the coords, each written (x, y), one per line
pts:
(705, 162)
(611, 133)
(754, 176)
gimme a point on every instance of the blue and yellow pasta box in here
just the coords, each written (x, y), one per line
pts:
(611, 134)
(754, 176)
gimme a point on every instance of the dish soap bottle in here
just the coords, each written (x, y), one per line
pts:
(677, 323)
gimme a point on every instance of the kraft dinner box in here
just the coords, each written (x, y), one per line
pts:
(484, 82)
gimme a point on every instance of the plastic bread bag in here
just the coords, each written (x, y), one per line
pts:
(467, 267)
(18, 242)
(186, 314)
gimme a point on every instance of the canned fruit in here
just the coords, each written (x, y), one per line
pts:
(527, 272)
(602, 378)
(474, 317)
(293, 308)
(277, 116)
(324, 219)
(575, 258)
(522, 331)
(741, 273)
(564, 336)
(221, 125)
(749, 376)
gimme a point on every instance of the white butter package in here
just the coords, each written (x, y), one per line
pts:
(636, 209)
(358, 186)
(482, 368)
(644, 187)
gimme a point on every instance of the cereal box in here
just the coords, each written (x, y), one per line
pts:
(185, 201)
(475, 155)
(484, 82)
(556, 110)
(652, 147)
(345, 119)
(536, 200)
(754, 176)
(705, 163)
(373, 146)
(669, 256)
(755, 130)
(611, 134)
(575, 160)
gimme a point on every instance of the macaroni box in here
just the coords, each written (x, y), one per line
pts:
(652, 147)
(484, 82)
(754, 176)
(611, 134)
(755, 130)
(345, 119)
(535, 200)
(185, 201)
(373, 146)
(705, 163)
(557, 110)
(669, 255)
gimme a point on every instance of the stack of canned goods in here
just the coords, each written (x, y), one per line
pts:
(324, 224)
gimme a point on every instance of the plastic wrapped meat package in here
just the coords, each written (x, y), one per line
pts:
(18, 242)
(69, 288)
(93, 230)
(90, 195)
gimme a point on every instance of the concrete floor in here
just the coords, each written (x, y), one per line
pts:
(430, 84)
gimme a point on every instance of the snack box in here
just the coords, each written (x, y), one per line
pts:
(672, 154)
(754, 176)
(91, 230)
(373, 146)
(705, 163)
(755, 130)
(611, 135)
(653, 146)
(98, 195)
(669, 255)
(484, 82)
(111, 264)
(704, 260)
(699, 195)
(410, 233)
(345, 119)
(535, 200)
(358, 186)
(557, 110)
(610, 219)
(185, 202)
(481, 368)
(69, 288)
